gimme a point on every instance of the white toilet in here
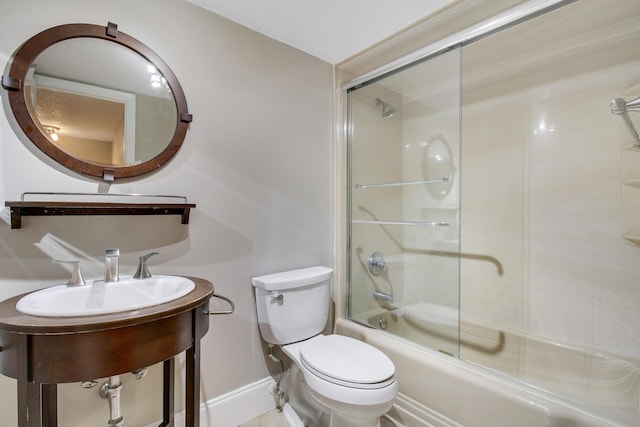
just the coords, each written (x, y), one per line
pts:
(350, 381)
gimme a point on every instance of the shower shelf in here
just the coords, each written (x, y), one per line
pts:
(410, 223)
(401, 184)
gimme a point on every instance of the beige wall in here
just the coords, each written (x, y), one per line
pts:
(256, 161)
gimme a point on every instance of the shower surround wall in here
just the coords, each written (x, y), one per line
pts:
(542, 165)
(546, 276)
(542, 160)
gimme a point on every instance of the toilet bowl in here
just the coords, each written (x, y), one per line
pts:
(346, 376)
(351, 381)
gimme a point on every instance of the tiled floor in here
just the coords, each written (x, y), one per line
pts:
(273, 418)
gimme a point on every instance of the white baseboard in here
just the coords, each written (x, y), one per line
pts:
(234, 408)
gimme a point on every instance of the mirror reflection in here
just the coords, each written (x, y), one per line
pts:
(100, 102)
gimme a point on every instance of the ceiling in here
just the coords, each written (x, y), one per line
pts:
(332, 30)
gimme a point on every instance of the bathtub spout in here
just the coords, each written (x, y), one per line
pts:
(382, 296)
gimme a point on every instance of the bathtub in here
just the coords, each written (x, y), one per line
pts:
(512, 381)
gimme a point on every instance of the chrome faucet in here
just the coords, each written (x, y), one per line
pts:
(76, 277)
(143, 270)
(111, 265)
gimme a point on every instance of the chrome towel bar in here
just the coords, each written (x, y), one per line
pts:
(412, 223)
(213, 313)
(57, 193)
(400, 184)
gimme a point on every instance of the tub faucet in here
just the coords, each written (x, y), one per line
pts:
(382, 296)
(111, 265)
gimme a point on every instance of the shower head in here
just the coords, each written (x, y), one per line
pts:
(387, 109)
(620, 106)
(634, 104)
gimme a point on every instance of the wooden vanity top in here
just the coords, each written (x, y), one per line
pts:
(12, 320)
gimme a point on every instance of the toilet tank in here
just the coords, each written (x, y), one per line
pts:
(292, 305)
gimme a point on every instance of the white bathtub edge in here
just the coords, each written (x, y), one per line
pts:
(451, 392)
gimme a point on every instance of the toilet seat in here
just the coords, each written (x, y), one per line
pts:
(347, 362)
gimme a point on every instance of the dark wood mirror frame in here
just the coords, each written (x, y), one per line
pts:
(14, 84)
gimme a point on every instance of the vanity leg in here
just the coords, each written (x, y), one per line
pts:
(49, 398)
(23, 409)
(168, 392)
(34, 405)
(28, 396)
(192, 410)
(192, 379)
(37, 405)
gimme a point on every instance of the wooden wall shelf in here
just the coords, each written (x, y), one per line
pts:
(40, 208)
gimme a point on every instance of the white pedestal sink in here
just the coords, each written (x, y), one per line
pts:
(98, 297)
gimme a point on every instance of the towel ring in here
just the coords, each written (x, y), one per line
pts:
(213, 313)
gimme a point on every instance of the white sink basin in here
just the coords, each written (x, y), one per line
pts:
(103, 298)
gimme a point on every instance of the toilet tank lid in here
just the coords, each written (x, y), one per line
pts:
(293, 278)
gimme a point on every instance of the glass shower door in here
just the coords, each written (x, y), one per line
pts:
(404, 148)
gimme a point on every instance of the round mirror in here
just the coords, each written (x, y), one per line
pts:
(97, 101)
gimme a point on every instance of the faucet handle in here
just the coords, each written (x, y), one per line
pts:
(143, 271)
(76, 277)
(377, 264)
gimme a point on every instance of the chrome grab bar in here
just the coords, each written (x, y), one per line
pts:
(213, 313)
(399, 184)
